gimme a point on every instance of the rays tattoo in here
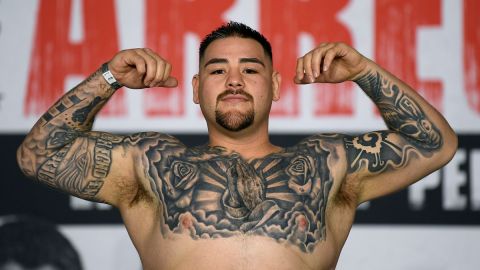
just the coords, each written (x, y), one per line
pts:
(209, 194)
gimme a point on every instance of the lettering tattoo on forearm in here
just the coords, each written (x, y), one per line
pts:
(209, 193)
(102, 155)
(48, 170)
(75, 170)
(379, 151)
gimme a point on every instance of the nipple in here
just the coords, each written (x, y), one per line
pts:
(302, 222)
(186, 222)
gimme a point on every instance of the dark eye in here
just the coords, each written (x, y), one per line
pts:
(217, 71)
(250, 71)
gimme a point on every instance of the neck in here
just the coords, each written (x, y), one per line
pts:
(252, 142)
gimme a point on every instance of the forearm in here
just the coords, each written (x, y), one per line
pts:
(70, 117)
(76, 110)
(405, 111)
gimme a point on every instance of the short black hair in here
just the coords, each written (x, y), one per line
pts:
(32, 243)
(235, 29)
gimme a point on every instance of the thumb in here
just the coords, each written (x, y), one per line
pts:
(304, 80)
(170, 82)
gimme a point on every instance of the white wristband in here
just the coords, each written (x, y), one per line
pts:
(109, 77)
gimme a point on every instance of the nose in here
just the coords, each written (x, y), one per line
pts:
(234, 80)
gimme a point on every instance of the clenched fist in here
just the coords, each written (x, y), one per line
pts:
(141, 68)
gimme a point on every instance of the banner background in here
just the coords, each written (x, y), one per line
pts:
(48, 46)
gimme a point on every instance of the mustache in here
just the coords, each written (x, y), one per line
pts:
(234, 92)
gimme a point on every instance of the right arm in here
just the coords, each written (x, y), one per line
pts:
(63, 152)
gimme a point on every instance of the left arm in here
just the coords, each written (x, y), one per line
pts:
(418, 140)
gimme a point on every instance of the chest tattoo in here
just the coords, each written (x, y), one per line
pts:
(210, 194)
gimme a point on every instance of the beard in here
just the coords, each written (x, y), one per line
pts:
(234, 121)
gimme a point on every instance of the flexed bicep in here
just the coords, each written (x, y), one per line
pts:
(99, 166)
(78, 163)
(418, 141)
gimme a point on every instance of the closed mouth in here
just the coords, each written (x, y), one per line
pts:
(234, 96)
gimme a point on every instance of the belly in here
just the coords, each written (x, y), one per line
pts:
(240, 252)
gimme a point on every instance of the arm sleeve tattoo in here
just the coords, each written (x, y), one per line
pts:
(61, 152)
(381, 150)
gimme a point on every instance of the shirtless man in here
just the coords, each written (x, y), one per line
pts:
(238, 202)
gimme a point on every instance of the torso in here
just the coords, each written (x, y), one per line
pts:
(215, 210)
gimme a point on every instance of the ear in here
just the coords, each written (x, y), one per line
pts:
(276, 82)
(195, 83)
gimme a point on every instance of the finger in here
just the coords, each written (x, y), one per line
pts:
(330, 55)
(316, 62)
(167, 71)
(307, 66)
(160, 77)
(304, 80)
(299, 70)
(318, 58)
(151, 67)
(161, 68)
(137, 61)
(163, 73)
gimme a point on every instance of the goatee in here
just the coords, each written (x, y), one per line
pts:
(235, 120)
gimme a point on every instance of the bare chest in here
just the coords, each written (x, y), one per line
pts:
(282, 196)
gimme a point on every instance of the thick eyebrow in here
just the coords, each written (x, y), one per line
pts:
(252, 60)
(215, 61)
(242, 60)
